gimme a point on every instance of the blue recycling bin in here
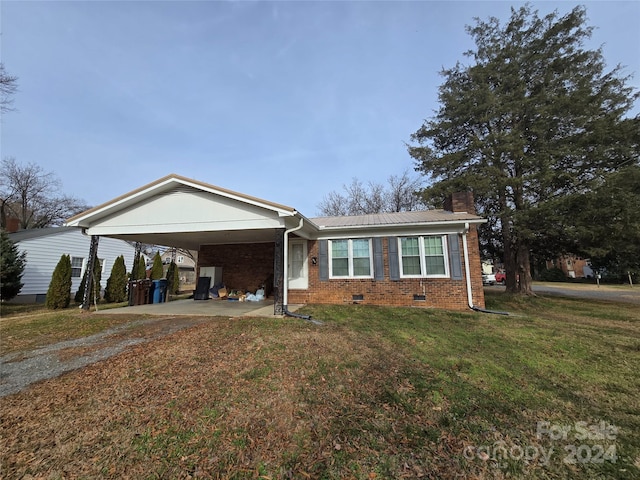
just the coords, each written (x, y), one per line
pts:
(159, 290)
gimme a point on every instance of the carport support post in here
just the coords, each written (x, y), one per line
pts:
(278, 273)
(88, 274)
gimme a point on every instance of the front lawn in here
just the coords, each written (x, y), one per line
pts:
(25, 327)
(550, 392)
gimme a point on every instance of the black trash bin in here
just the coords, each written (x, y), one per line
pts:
(144, 291)
(133, 291)
(139, 292)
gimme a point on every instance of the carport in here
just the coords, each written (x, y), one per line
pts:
(245, 236)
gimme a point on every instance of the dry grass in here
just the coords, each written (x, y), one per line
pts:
(24, 330)
(219, 400)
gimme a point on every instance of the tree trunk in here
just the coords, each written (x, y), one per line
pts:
(3, 215)
(511, 279)
(523, 261)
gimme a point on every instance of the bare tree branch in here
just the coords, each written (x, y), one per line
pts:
(8, 86)
(30, 194)
(333, 205)
(401, 194)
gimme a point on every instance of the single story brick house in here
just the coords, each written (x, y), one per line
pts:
(422, 258)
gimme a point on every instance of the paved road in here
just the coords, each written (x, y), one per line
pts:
(624, 294)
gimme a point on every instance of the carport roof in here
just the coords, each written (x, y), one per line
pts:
(176, 211)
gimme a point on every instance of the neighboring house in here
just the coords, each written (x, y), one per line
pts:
(45, 247)
(184, 261)
(572, 266)
(421, 258)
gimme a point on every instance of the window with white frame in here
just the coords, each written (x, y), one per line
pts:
(423, 256)
(76, 267)
(350, 258)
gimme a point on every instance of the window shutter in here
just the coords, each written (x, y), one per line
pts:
(455, 263)
(378, 261)
(323, 259)
(394, 264)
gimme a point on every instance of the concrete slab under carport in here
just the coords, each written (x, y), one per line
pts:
(211, 308)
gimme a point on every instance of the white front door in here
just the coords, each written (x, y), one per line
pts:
(297, 268)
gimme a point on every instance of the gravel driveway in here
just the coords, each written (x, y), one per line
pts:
(20, 369)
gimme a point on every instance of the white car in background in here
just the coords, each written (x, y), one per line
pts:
(489, 279)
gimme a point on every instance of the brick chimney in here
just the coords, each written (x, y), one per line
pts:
(13, 225)
(460, 202)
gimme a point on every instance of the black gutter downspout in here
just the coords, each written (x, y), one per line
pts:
(308, 318)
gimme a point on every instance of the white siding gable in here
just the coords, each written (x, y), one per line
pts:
(186, 209)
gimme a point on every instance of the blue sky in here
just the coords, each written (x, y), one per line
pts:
(286, 101)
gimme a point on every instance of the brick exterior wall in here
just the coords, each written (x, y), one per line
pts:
(244, 266)
(247, 266)
(439, 293)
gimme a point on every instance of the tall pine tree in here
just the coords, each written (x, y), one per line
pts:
(533, 118)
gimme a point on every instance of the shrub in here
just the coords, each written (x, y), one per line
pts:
(142, 268)
(80, 292)
(59, 293)
(139, 268)
(12, 265)
(157, 270)
(116, 290)
(553, 275)
(173, 279)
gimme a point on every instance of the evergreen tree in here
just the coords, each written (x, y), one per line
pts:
(59, 293)
(173, 279)
(157, 270)
(142, 268)
(12, 264)
(116, 289)
(606, 223)
(79, 296)
(135, 270)
(533, 119)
